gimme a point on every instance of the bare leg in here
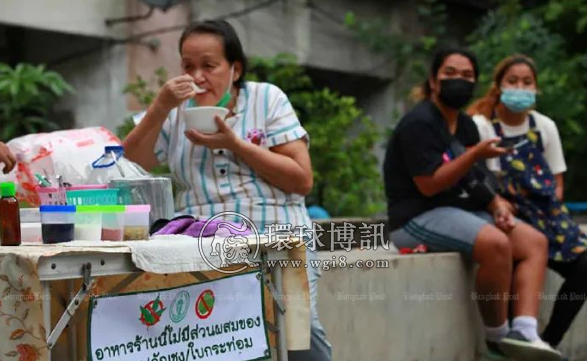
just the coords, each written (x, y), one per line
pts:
(530, 252)
(493, 253)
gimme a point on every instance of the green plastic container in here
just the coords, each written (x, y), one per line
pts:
(88, 223)
(113, 223)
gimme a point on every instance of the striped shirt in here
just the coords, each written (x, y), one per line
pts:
(213, 181)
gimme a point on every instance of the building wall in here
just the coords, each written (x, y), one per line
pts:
(142, 60)
(75, 17)
(314, 31)
(317, 37)
(96, 69)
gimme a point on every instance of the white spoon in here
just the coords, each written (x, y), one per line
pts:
(197, 89)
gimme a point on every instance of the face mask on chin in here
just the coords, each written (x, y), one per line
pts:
(225, 99)
(223, 102)
(455, 92)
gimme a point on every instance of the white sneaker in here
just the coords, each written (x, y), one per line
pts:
(516, 346)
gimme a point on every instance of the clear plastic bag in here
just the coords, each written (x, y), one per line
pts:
(135, 185)
(112, 165)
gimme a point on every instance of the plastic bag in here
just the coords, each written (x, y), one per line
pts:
(51, 153)
(112, 165)
(135, 185)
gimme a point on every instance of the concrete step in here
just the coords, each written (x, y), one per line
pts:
(415, 307)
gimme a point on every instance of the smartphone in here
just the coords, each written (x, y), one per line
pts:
(507, 144)
(510, 144)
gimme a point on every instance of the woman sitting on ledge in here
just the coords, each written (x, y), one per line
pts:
(439, 195)
(531, 178)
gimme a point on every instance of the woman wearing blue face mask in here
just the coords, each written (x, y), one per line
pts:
(531, 178)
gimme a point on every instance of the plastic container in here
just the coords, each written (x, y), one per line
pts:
(86, 187)
(93, 197)
(88, 223)
(31, 232)
(30, 215)
(57, 223)
(156, 191)
(136, 222)
(112, 223)
(51, 196)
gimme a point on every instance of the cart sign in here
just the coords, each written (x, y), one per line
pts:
(215, 320)
(205, 304)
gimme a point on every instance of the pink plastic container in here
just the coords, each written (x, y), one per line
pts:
(136, 222)
(85, 187)
(51, 196)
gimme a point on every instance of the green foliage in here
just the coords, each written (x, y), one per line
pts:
(27, 94)
(144, 92)
(560, 10)
(561, 79)
(410, 53)
(346, 175)
(540, 32)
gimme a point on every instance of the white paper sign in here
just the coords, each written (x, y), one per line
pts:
(217, 320)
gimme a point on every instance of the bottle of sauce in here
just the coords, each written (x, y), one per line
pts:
(9, 215)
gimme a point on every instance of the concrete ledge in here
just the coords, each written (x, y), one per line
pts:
(420, 308)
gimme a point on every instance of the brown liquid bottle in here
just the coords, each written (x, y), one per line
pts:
(9, 215)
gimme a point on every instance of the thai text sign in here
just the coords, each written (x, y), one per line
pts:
(216, 320)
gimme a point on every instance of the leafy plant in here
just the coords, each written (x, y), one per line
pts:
(346, 175)
(410, 53)
(144, 92)
(27, 95)
(557, 10)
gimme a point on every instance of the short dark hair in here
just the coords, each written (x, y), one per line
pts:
(439, 58)
(233, 49)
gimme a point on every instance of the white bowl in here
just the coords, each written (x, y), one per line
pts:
(202, 118)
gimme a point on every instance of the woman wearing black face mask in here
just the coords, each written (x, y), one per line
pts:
(438, 196)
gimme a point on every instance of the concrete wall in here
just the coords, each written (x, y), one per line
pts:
(420, 308)
(75, 17)
(98, 76)
(291, 26)
(99, 80)
(77, 46)
(314, 31)
(142, 61)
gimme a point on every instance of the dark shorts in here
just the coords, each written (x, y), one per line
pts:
(443, 229)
